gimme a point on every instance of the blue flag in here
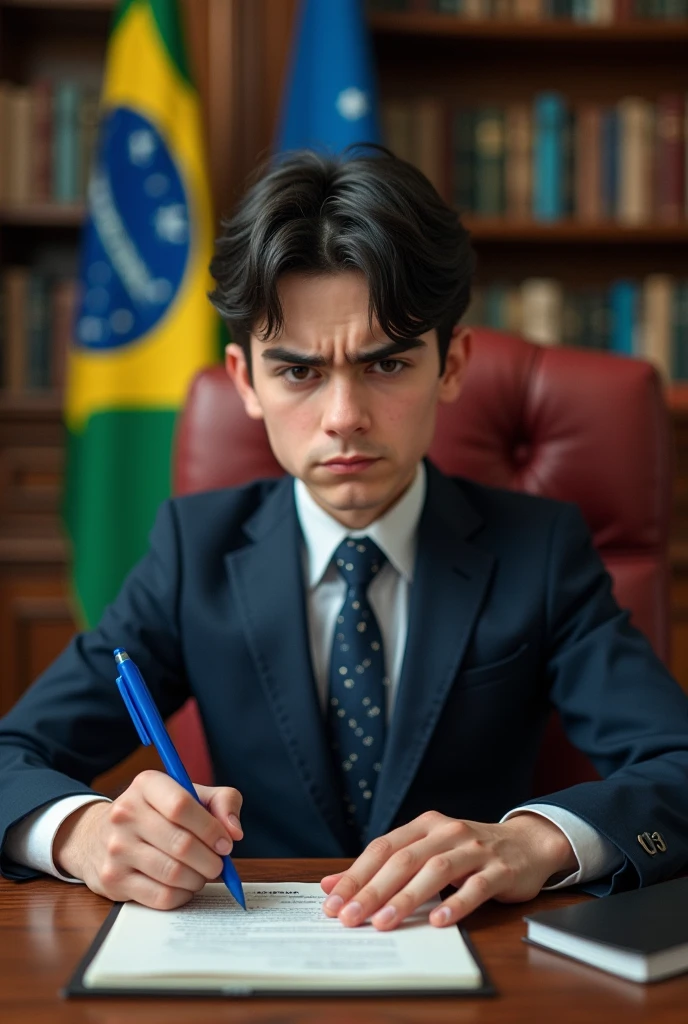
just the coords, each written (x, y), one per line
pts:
(331, 97)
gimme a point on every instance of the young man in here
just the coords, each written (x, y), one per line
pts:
(373, 646)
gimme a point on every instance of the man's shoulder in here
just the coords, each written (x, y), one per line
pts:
(226, 509)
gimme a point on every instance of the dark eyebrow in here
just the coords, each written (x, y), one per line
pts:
(388, 351)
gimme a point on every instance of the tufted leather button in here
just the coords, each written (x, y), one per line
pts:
(523, 453)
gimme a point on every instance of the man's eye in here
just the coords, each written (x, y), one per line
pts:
(389, 367)
(296, 374)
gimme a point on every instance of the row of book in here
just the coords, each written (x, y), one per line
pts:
(548, 159)
(647, 318)
(600, 12)
(36, 321)
(48, 131)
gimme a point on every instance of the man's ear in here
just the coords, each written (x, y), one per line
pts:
(237, 368)
(458, 354)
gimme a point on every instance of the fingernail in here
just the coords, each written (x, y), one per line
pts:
(223, 847)
(441, 915)
(233, 820)
(333, 903)
(352, 913)
(385, 916)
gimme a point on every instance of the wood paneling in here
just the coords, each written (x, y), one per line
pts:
(36, 623)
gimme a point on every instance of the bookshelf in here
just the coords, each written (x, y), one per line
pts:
(240, 50)
(50, 42)
(493, 61)
(444, 27)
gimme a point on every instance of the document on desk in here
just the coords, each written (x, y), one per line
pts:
(282, 943)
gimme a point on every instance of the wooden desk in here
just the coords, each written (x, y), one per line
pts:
(47, 926)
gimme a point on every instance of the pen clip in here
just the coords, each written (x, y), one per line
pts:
(131, 708)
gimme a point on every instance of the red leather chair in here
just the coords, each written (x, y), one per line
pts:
(577, 425)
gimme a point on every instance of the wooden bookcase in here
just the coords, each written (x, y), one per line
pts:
(239, 51)
(500, 61)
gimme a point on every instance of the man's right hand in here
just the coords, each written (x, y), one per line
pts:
(154, 844)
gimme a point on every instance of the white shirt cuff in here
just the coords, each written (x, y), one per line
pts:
(30, 841)
(595, 854)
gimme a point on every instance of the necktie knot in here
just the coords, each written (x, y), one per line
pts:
(358, 560)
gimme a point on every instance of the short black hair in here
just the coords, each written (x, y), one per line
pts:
(318, 214)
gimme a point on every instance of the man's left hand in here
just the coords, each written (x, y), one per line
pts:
(400, 871)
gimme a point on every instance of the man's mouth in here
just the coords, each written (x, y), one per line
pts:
(349, 463)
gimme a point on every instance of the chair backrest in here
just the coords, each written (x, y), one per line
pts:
(577, 425)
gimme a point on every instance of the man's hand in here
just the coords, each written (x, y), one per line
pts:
(398, 872)
(154, 844)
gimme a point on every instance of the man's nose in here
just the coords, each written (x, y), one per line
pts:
(345, 409)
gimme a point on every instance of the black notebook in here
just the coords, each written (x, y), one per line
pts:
(641, 935)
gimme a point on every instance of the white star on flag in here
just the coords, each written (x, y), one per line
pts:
(141, 146)
(352, 103)
(170, 223)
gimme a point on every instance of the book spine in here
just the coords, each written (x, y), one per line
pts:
(428, 141)
(514, 310)
(635, 166)
(624, 316)
(569, 161)
(41, 140)
(570, 319)
(475, 314)
(489, 161)
(65, 142)
(63, 298)
(396, 128)
(548, 156)
(5, 122)
(588, 162)
(542, 310)
(518, 160)
(529, 10)
(656, 326)
(89, 111)
(610, 161)
(20, 133)
(37, 361)
(603, 12)
(495, 306)
(670, 157)
(15, 287)
(600, 319)
(679, 353)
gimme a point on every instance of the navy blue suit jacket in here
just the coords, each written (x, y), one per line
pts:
(511, 612)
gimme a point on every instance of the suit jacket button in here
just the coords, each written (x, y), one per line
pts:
(648, 843)
(658, 839)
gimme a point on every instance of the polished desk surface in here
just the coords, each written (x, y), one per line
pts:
(47, 926)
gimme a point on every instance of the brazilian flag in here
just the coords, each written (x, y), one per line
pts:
(144, 325)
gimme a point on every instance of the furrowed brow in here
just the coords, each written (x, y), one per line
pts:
(389, 351)
(283, 355)
(278, 354)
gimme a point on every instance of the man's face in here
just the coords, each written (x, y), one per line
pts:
(346, 411)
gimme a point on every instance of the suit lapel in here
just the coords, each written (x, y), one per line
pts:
(268, 577)
(449, 586)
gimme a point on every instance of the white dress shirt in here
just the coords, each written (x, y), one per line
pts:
(30, 841)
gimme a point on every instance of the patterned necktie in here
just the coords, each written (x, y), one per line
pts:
(357, 682)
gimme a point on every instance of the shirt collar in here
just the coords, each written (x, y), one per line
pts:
(394, 532)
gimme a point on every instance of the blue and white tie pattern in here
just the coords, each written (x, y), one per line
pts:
(358, 682)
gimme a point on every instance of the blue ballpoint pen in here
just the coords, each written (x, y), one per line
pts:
(151, 729)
